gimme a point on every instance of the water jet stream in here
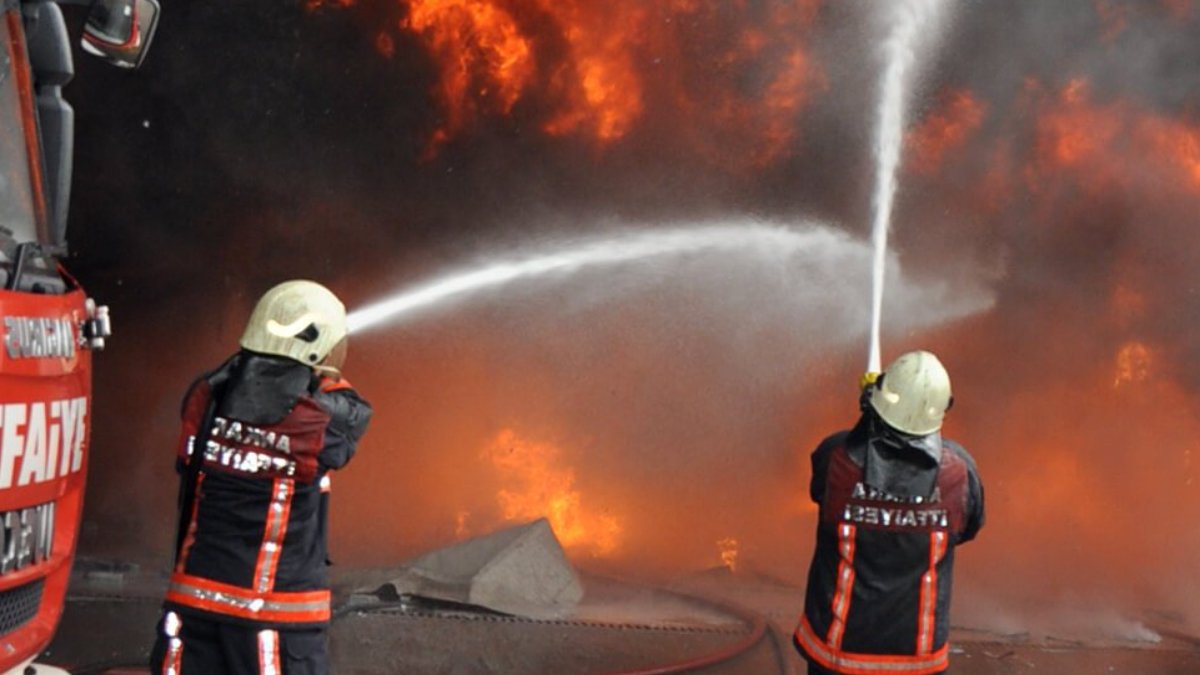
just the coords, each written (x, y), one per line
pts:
(911, 21)
(773, 241)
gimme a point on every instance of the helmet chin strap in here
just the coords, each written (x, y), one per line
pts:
(328, 371)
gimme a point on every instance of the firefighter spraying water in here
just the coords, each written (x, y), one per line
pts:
(261, 437)
(895, 499)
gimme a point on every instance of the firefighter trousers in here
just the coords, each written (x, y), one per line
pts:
(814, 669)
(189, 645)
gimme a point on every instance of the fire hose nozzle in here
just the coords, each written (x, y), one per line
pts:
(865, 383)
(97, 326)
(867, 380)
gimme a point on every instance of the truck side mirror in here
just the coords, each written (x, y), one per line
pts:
(120, 31)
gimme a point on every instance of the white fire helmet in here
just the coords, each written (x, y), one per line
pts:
(299, 319)
(913, 394)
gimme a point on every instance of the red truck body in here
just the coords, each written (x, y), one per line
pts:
(49, 327)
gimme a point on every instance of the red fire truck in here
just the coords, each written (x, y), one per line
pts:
(49, 325)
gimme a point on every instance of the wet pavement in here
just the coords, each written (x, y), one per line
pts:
(620, 627)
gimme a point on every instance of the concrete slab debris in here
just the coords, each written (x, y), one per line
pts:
(520, 570)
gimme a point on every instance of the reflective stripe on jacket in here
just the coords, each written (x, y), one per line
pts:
(879, 586)
(255, 548)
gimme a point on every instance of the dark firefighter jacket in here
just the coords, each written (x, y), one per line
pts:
(253, 546)
(878, 595)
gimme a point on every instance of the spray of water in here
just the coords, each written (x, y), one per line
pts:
(912, 22)
(621, 249)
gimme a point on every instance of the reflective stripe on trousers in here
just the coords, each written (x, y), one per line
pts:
(852, 663)
(245, 603)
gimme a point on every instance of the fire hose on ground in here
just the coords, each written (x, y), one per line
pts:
(758, 629)
(757, 624)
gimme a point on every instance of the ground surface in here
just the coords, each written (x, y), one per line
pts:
(620, 627)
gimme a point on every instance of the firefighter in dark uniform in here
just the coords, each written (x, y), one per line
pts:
(261, 434)
(895, 500)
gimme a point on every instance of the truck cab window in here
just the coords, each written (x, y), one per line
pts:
(16, 192)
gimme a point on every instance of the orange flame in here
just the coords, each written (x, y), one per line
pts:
(957, 117)
(1178, 143)
(540, 487)
(599, 79)
(1076, 132)
(728, 548)
(595, 69)
(748, 128)
(313, 5)
(486, 60)
(385, 45)
(1134, 364)
(1113, 143)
